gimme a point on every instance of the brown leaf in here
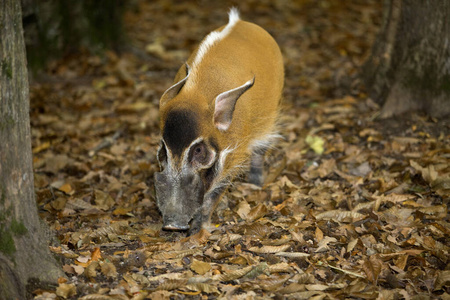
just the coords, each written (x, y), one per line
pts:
(175, 254)
(429, 173)
(443, 279)
(198, 239)
(108, 269)
(292, 288)
(68, 269)
(122, 211)
(257, 270)
(243, 209)
(323, 244)
(67, 188)
(90, 270)
(319, 234)
(66, 290)
(372, 268)
(233, 275)
(280, 267)
(172, 284)
(401, 261)
(200, 267)
(435, 211)
(203, 287)
(240, 260)
(293, 254)
(274, 283)
(269, 249)
(54, 163)
(103, 200)
(257, 212)
(340, 215)
(96, 254)
(327, 166)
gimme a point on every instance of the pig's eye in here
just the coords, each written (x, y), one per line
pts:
(200, 156)
(199, 153)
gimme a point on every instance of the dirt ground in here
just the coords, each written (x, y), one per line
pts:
(353, 206)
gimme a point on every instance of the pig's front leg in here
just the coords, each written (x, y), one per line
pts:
(256, 175)
(202, 219)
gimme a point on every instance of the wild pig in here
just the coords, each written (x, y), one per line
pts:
(220, 114)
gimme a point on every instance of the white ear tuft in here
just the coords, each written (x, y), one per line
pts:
(171, 92)
(225, 104)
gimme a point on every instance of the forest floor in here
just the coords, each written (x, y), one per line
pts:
(353, 207)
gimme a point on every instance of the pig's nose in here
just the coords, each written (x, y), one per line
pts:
(175, 226)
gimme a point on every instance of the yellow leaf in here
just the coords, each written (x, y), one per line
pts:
(190, 293)
(315, 143)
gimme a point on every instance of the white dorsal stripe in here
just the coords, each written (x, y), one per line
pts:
(216, 36)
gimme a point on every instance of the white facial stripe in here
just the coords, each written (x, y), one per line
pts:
(222, 157)
(170, 161)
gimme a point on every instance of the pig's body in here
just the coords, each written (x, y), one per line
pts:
(221, 110)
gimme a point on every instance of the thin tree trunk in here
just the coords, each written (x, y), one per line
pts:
(409, 69)
(24, 253)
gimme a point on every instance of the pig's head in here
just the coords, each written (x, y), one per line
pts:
(187, 168)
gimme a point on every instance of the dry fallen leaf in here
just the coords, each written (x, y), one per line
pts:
(200, 267)
(108, 269)
(66, 290)
(372, 268)
(269, 249)
(243, 209)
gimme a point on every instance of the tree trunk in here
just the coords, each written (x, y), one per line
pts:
(409, 69)
(24, 252)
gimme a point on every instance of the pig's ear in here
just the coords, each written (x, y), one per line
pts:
(174, 89)
(225, 104)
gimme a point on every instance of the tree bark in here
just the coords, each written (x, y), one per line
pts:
(24, 252)
(409, 69)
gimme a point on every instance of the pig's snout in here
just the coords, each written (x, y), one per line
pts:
(172, 224)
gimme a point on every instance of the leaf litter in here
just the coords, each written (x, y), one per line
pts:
(352, 206)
